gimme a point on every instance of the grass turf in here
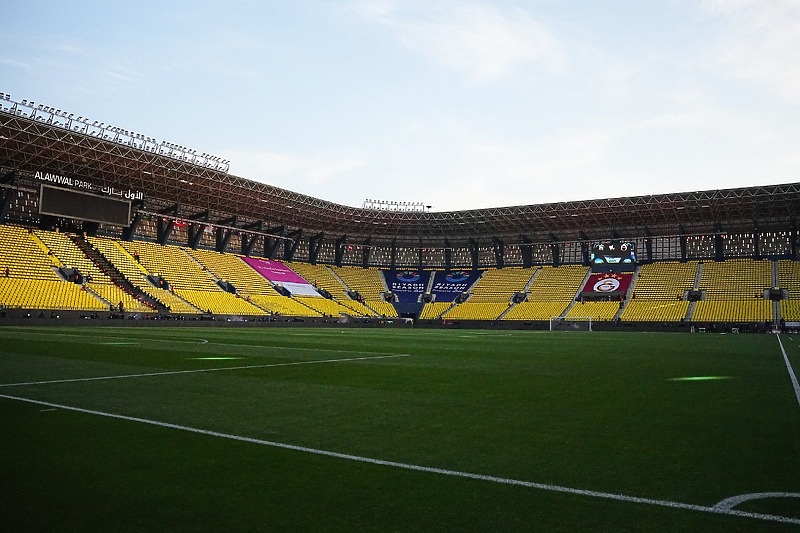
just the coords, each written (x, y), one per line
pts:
(591, 411)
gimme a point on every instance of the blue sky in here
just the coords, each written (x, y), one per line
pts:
(457, 104)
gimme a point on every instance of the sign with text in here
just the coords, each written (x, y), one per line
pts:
(407, 285)
(447, 285)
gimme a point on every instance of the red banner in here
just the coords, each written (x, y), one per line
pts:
(608, 282)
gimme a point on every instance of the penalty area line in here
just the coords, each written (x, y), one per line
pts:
(792, 375)
(720, 510)
(202, 370)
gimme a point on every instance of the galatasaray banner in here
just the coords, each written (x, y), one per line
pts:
(608, 282)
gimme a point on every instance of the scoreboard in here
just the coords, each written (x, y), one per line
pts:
(613, 252)
(83, 206)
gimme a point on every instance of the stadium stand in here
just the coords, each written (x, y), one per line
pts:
(550, 293)
(659, 293)
(597, 311)
(188, 279)
(702, 256)
(500, 285)
(537, 310)
(370, 285)
(368, 282)
(476, 311)
(789, 279)
(95, 279)
(32, 282)
(324, 278)
(137, 274)
(231, 268)
(733, 291)
(434, 310)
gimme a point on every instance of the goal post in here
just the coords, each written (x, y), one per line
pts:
(570, 323)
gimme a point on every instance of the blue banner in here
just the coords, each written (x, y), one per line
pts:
(447, 285)
(407, 284)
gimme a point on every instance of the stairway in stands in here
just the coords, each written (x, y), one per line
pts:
(113, 272)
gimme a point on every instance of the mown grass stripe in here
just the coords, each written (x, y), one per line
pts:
(200, 370)
(720, 510)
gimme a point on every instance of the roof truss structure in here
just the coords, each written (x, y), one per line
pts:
(29, 145)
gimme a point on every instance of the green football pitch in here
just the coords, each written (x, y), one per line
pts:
(345, 429)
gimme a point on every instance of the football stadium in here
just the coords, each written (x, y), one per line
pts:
(184, 349)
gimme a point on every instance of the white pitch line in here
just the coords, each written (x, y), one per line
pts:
(730, 503)
(196, 371)
(792, 375)
(139, 340)
(419, 468)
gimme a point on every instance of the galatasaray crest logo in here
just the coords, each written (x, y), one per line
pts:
(607, 284)
(457, 276)
(408, 276)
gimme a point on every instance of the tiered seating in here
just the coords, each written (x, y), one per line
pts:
(385, 309)
(789, 279)
(557, 283)
(658, 295)
(172, 264)
(476, 311)
(23, 257)
(734, 291)
(70, 255)
(219, 302)
(281, 305)
(434, 310)
(500, 285)
(655, 310)
(101, 284)
(320, 276)
(189, 280)
(46, 294)
(366, 281)
(326, 307)
(114, 295)
(550, 293)
(31, 282)
(790, 310)
(536, 310)
(369, 283)
(231, 268)
(323, 277)
(736, 279)
(137, 275)
(255, 287)
(664, 281)
(598, 311)
(733, 311)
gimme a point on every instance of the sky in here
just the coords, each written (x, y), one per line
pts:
(456, 104)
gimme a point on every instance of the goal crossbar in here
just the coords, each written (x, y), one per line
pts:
(570, 323)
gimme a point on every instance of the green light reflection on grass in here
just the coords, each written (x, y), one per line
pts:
(701, 378)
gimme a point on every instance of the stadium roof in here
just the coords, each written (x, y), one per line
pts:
(178, 179)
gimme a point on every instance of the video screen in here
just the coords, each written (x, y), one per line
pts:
(613, 252)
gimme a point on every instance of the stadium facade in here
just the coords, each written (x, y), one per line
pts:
(194, 201)
(85, 191)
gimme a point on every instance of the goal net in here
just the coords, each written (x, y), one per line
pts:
(570, 323)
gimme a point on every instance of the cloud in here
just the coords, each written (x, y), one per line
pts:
(481, 41)
(758, 41)
(303, 173)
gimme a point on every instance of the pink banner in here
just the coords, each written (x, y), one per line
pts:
(608, 282)
(274, 271)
